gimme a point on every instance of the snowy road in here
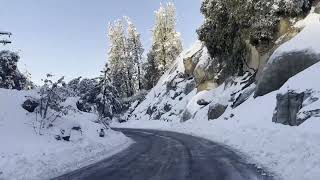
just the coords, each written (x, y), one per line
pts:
(159, 155)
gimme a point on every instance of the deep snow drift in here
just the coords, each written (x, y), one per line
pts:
(288, 152)
(26, 155)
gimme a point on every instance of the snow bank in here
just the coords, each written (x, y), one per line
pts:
(26, 155)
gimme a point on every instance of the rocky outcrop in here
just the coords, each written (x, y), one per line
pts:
(216, 110)
(292, 108)
(243, 96)
(287, 108)
(192, 57)
(277, 72)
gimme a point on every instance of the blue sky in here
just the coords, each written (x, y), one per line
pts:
(69, 37)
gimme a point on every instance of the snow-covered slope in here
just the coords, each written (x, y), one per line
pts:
(288, 152)
(26, 155)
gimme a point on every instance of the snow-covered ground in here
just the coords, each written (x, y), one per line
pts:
(26, 155)
(288, 152)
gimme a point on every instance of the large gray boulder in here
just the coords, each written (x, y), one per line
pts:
(282, 68)
(216, 110)
(288, 106)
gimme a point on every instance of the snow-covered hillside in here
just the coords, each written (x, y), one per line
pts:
(246, 122)
(24, 154)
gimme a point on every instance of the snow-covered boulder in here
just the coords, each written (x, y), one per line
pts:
(216, 110)
(282, 68)
(292, 57)
(30, 105)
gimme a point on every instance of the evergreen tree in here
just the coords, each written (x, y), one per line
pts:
(119, 68)
(135, 51)
(10, 76)
(166, 43)
(125, 56)
(152, 74)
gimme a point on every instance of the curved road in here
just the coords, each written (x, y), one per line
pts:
(159, 155)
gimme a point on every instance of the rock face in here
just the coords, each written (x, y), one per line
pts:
(216, 110)
(288, 106)
(199, 64)
(283, 67)
(30, 105)
(205, 73)
(192, 57)
(243, 96)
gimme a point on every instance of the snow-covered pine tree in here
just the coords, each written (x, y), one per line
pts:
(106, 102)
(120, 63)
(125, 56)
(10, 76)
(100, 96)
(74, 86)
(166, 42)
(152, 74)
(135, 52)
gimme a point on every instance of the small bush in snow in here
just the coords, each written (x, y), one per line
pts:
(51, 107)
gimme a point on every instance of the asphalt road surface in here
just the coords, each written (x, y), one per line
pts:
(159, 155)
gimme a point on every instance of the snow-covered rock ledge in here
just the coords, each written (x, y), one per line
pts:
(27, 155)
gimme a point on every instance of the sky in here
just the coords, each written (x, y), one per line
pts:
(69, 37)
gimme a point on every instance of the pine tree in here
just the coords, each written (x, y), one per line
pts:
(117, 58)
(125, 56)
(152, 74)
(10, 76)
(166, 43)
(135, 51)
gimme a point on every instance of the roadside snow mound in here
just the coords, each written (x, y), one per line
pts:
(26, 155)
